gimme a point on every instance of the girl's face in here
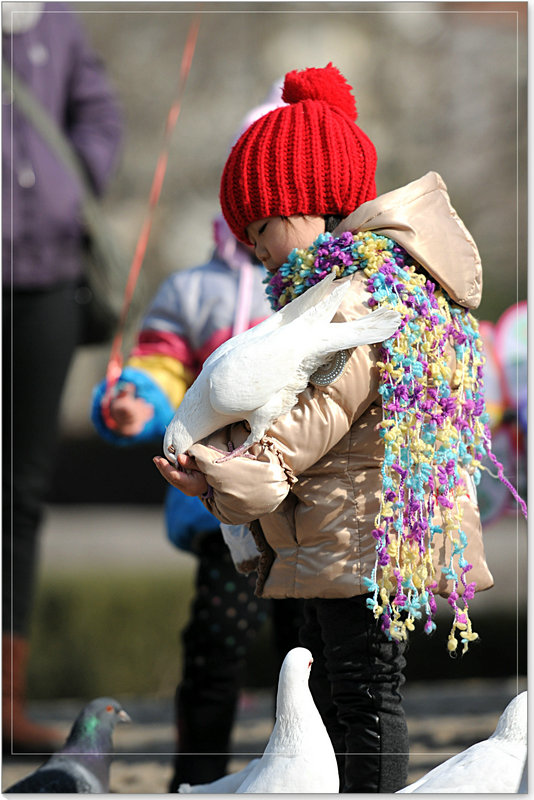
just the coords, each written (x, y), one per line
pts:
(274, 238)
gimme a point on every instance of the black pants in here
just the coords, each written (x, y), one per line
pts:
(40, 331)
(226, 617)
(355, 681)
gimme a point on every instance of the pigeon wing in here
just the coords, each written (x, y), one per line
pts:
(249, 378)
(51, 781)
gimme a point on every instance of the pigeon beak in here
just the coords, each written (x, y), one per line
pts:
(124, 716)
(169, 450)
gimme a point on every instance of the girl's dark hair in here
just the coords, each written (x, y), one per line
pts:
(331, 221)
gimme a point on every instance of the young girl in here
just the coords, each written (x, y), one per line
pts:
(362, 498)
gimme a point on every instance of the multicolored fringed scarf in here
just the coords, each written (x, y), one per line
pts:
(434, 425)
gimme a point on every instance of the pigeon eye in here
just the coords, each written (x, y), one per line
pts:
(310, 663)
(109, 708)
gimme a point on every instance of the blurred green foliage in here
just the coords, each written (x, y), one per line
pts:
(118, 634)
(108, 634)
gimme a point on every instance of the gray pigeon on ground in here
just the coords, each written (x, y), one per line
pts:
(82, 764)
(493, 766)
(299, 756)
(258, 374)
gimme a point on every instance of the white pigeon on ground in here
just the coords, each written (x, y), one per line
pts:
(82, 765)
(493, 766)
(258, 374)
(299, 756)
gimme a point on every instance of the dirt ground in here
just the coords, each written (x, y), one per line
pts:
(443, 719)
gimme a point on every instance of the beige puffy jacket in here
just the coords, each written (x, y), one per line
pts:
(314, 486)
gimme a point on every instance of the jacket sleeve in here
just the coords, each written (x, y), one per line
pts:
(146, 388)
(243, 489)
(164, 347)
(161, 365)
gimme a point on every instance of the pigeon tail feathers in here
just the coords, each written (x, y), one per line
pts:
(376, 327)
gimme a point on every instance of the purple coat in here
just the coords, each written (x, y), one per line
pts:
(42, 230)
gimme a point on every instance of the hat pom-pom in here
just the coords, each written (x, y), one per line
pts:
(327, 85)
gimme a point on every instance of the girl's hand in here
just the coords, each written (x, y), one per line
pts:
(129, 412)
(192, 482)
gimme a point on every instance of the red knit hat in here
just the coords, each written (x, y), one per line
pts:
(308, 157)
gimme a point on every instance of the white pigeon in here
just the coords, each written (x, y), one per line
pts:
(258, 374)
(493, 766)
(299, 757)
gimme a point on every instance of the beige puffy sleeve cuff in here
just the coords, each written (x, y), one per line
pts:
(242, 489)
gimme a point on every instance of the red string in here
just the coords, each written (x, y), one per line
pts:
(115, 362)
